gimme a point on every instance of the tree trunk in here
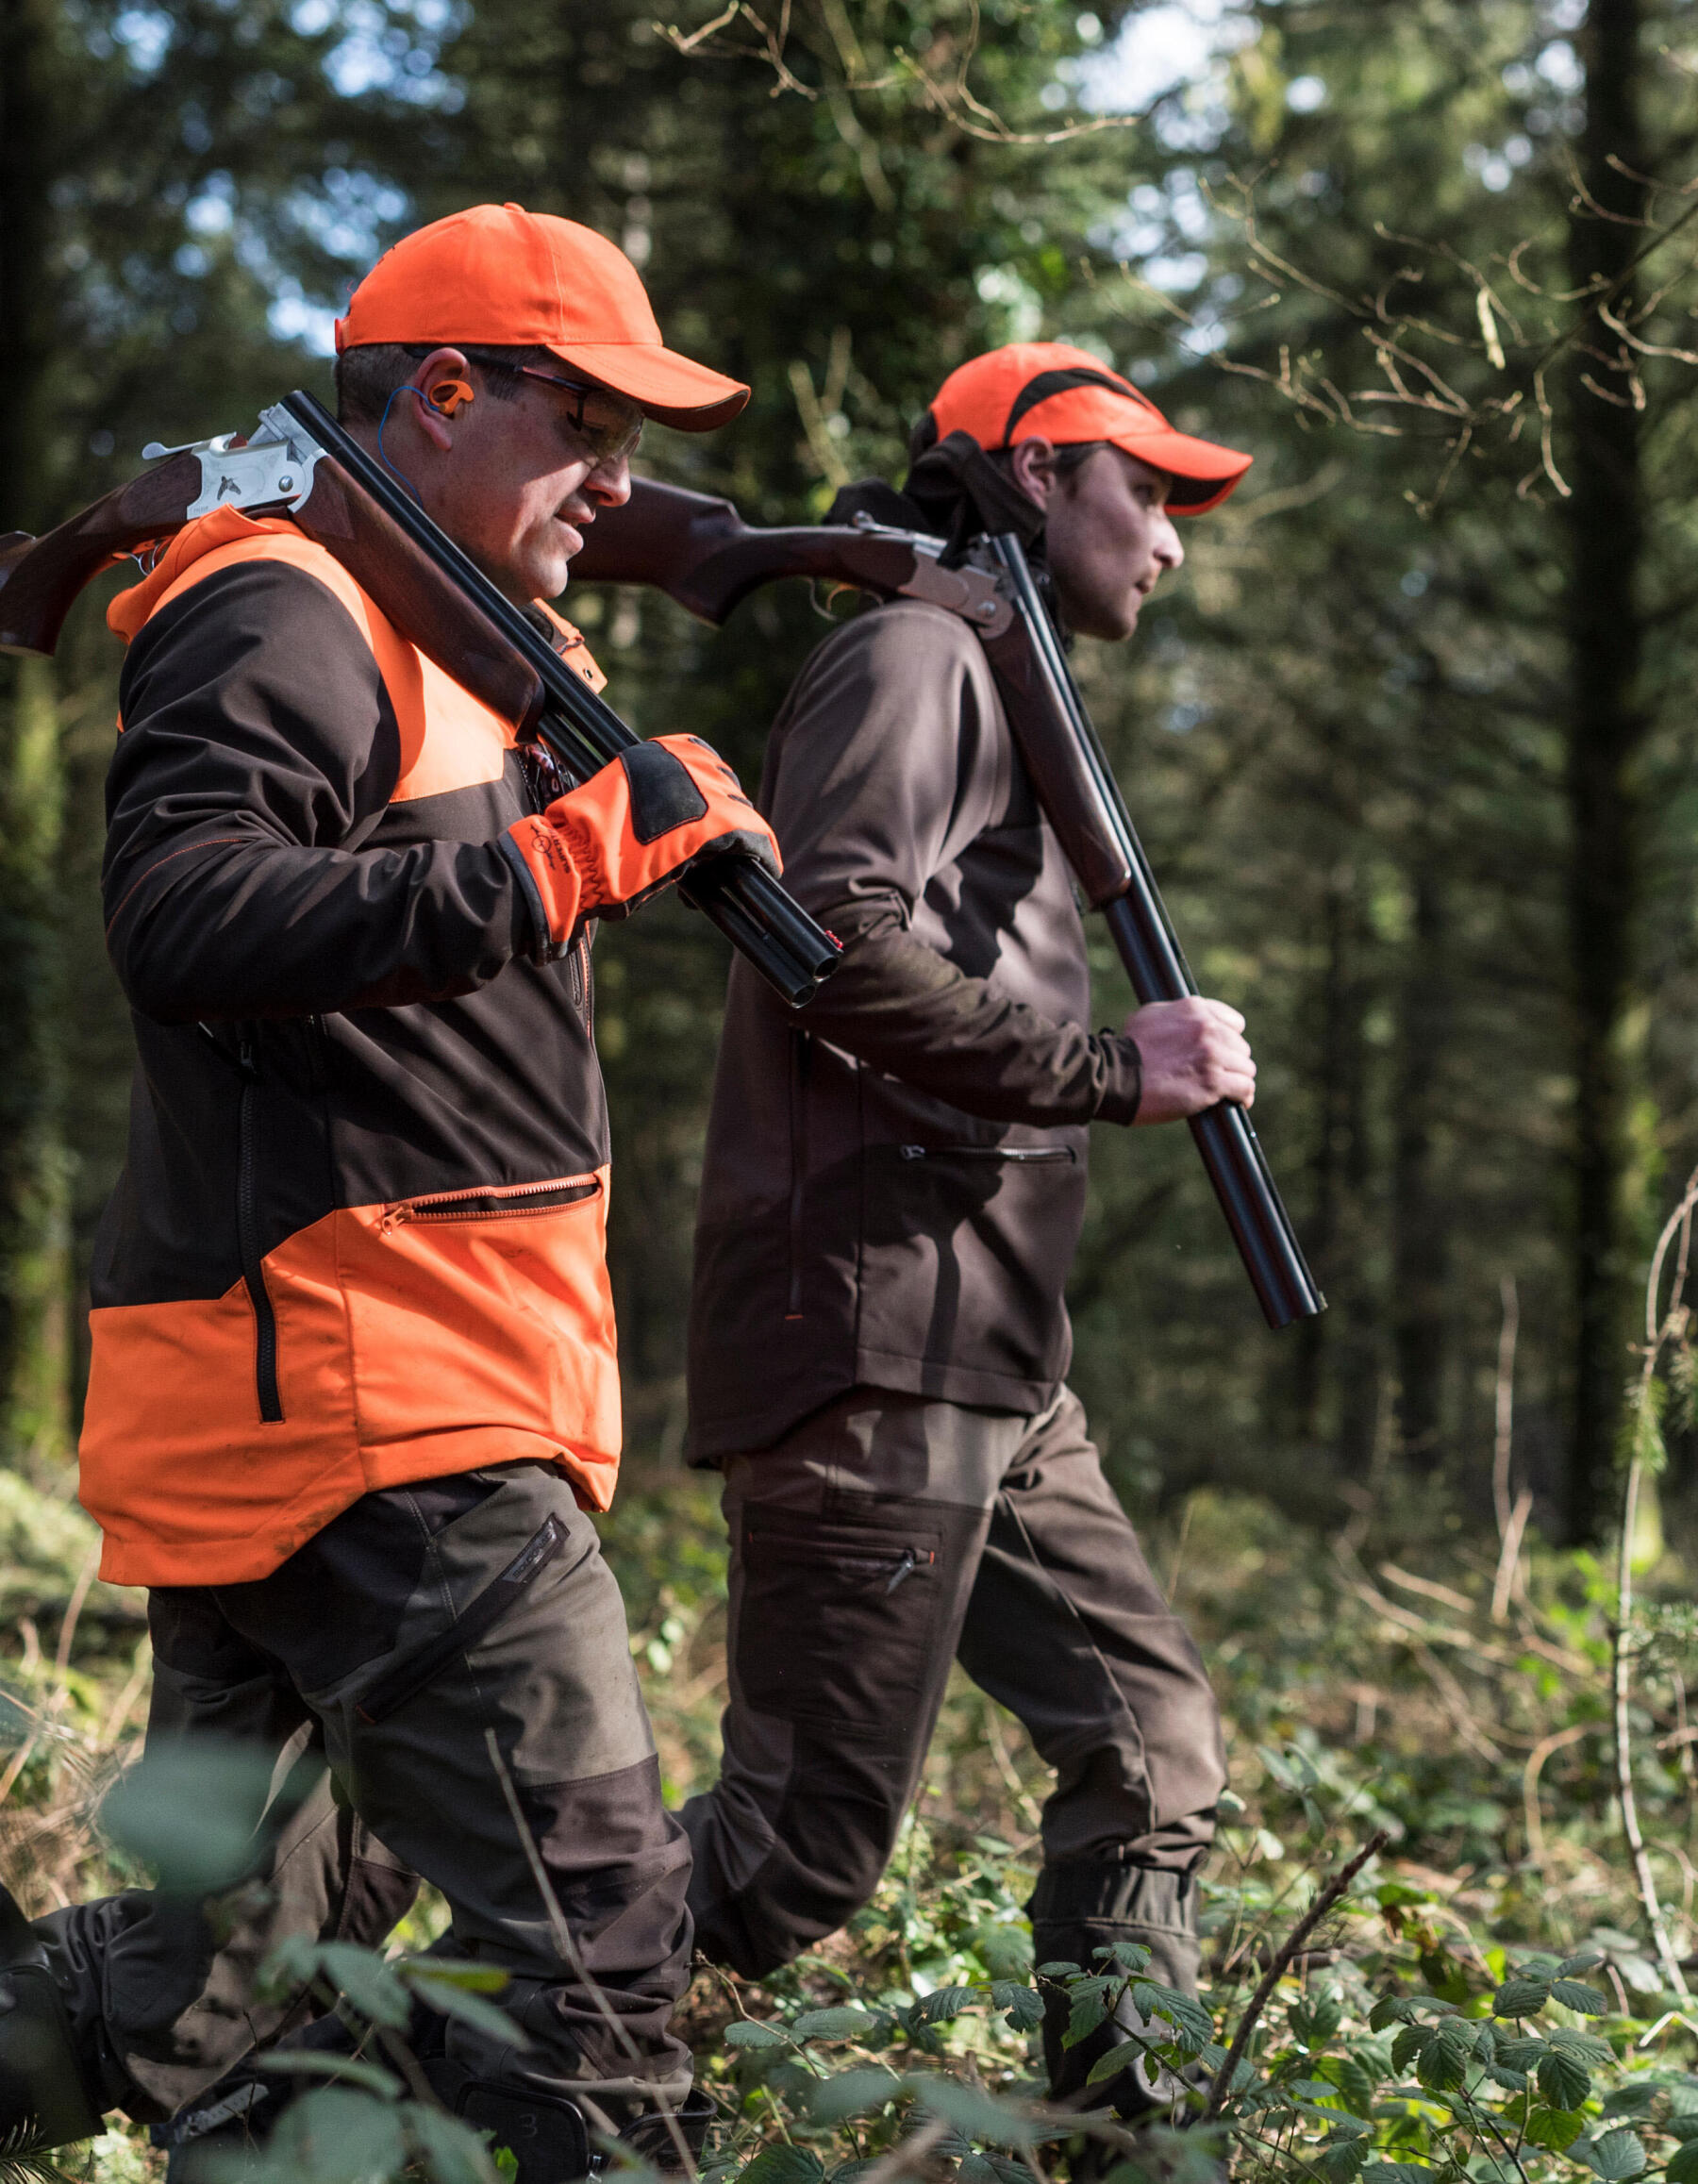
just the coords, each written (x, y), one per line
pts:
(33, 1257)
(1606, 726)
(1421, 1250)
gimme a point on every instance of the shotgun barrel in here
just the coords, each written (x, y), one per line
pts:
(1059, 744)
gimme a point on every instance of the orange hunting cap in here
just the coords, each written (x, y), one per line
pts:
(499, 276)
(1047, 388)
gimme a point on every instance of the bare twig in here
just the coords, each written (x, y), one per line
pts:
(1504, 1410)
(908, 2158)
(1530, 1774)
(1276, 1971)
(565, 1941)
(1503, 1584)
(1660, 1331)
(79, 1593)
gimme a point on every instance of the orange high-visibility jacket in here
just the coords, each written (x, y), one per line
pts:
(359, 1238)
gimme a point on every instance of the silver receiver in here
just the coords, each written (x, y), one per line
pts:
(273, 467)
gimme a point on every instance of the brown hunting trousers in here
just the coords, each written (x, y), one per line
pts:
(884, 1538)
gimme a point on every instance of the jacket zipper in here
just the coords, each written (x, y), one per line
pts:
(585, 979)
(503, 1202)
(1020, 1155)
(247, 1240)
(801, 1075)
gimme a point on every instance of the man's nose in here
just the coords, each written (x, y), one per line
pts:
(611, 482)
(1169, 552)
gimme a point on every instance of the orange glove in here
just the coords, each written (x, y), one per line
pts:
(632, 829)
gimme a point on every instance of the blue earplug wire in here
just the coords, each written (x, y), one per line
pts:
(383, 457)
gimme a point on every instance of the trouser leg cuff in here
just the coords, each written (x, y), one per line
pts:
(1082, 1905)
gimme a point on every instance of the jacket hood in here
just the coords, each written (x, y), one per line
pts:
(222, 527)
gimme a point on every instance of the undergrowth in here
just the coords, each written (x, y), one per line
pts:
(1483, 2000)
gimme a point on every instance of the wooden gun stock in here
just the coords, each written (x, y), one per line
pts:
(40, 578)
(445, 623)
(699, 551)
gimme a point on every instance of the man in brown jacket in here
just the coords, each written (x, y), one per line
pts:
(893, 1189)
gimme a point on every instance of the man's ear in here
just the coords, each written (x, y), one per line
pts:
(442, 364)
(1033, 463)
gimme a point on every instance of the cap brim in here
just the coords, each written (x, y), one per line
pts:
(1203, 473)
(669, 387)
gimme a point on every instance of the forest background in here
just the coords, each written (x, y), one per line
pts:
(1409, 742)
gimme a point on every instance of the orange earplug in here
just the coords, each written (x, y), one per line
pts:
(448, 395)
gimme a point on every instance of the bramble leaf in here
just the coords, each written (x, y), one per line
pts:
(972, 2111)
(783, 2165)
(452, 2000)
(1409, 2044)
(1584, 2046)
(1555, 2128)
(1573, 1994)
(1022, 2006)
(1117, 2060)
(839, 2023)
(750, 2032)
(453, 2152)
(1615, 2156)
(347, 2069)
(853, 2092)
(1521, 1998)
(1563, 2078)
(1087, 2014)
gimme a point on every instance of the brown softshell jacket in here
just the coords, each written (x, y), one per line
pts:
(894, 1178)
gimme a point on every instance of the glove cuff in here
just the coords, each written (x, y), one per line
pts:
(552, 882)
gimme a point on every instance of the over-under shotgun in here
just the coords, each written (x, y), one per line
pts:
(301, 464)
(701, 552)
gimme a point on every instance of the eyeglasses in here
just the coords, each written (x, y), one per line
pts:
(607, 442)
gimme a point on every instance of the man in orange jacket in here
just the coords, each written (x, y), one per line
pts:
(353, 1381)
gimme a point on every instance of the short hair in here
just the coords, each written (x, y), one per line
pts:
(1069, 454)
(367, 376)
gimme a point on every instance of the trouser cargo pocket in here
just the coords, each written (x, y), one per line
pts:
(836, 1620)
(419, 1670)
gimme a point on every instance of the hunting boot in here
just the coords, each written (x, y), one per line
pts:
(45, 2097)
(653, 2140)
(238, 2116)
(1085, 1904)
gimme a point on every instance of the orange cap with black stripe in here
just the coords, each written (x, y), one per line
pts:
(498, 276)
(1050, 390)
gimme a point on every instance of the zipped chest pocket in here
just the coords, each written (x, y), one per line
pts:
(490, 1202)
(834, 1620)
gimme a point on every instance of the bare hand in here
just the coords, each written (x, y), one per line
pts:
(1194, 1054)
